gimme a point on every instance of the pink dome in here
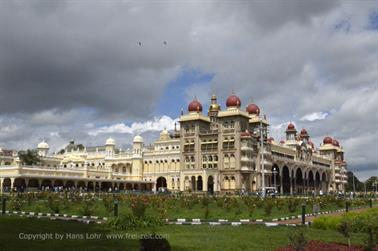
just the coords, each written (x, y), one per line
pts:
(195, 106)
(327, 140)
(253, 109)
(233, 101)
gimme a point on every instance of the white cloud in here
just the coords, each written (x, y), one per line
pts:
(314, 116)
(157, 124)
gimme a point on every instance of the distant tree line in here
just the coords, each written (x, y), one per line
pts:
(360, 186)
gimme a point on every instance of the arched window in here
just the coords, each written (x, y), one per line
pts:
(232, 161)
(226, 161)
(232, 182)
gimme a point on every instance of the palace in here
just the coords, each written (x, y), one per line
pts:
(218, 152)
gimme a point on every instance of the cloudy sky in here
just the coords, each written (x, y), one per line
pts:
(75, 69)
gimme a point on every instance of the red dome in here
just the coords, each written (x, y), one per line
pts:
(253, 109)
(335, 142)
(195, 106)
(233, 101)
(290, 126)
(327, 140)
(303, 131)
(282, 142)
(270, 139)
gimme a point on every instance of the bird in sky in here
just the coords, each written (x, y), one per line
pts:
(140, 43)
(165, 42)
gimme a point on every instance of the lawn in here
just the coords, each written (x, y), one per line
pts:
(199, 237)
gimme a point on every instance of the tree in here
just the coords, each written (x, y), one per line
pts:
(359, 186)
(370, 183)
(29, 157)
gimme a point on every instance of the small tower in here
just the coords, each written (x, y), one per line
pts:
(110, 147)
(291, 132)
(137, 161)
(304, 136)
(214, 108)
(43, 149)
(164, 135)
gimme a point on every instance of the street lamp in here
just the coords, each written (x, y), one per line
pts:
(262, 159)
(274, 173)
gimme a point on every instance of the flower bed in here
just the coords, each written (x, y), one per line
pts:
(324, 246)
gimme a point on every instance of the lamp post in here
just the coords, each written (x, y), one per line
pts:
(275, 173)
(262, 160)
(354, 186)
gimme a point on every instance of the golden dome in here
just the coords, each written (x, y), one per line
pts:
(214, 107)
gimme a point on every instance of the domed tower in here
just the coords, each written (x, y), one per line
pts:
(291, 132)
(195, 107)
(137, 161)
(253, 110)
(233, 102)
(214, 109)
(304, 136)
(43, 149)
(110, 147)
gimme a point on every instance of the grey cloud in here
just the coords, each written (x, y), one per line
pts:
(62, 56)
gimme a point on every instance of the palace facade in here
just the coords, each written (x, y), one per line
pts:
(218, 152)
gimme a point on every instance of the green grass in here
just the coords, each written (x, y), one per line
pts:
(181, 238)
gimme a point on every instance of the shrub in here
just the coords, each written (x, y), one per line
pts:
(280, 203)
(87, 207)
(268, 206)
(326, 222)
(292, 204)
(154, 242)
(205, 201)
(251, 205)
(207, 212)
(139, 206)
(297, 239)
(126, 222)
(108, 204)
(344, 228)
(53, 204)
(15, 204)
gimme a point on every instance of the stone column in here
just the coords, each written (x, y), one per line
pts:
(1, 185)
(204, 182)
(281, 184)
(291, 185)
(12, 183)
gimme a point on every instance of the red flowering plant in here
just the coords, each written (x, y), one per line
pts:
(139, 205)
